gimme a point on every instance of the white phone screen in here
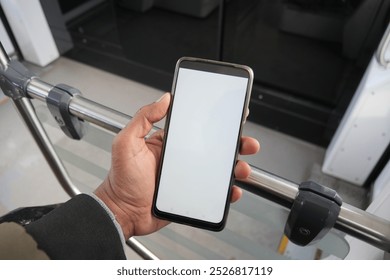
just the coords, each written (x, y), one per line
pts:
(201, 144)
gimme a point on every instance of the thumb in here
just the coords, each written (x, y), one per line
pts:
(143, 120)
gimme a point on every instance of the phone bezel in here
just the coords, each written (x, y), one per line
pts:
(213, 67)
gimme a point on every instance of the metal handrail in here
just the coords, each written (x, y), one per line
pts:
(356, 222)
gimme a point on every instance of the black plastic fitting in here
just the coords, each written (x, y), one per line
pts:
(313, 214)
(58, 101)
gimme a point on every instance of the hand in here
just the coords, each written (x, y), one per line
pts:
(129, 187)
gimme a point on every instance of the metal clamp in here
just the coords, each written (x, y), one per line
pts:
(58, 101)
(313, 214)
(14, 78)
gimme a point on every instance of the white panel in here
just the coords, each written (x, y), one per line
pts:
(364, 132)
(31, 30)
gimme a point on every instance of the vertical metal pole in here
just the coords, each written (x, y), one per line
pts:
(3, 58)
(27, 112)
(140, 249)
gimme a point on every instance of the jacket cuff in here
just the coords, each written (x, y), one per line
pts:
(112, 216)
(79, 229)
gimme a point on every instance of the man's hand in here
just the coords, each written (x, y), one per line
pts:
(129, 187)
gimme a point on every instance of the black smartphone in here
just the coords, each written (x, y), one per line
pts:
(201, 143)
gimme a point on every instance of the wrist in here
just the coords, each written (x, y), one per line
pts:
(105, 194)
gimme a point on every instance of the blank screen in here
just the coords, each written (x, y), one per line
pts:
(201, 144)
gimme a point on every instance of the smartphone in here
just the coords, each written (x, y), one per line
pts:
(202, 137)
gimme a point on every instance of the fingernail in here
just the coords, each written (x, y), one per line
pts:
(161, 98)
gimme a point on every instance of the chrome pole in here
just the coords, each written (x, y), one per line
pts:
(84, 108)
(38, 89)
(4, 59)
(140, 249)
(98, 114)
(27, 112)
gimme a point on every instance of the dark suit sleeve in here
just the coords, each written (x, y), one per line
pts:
(78, 229)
